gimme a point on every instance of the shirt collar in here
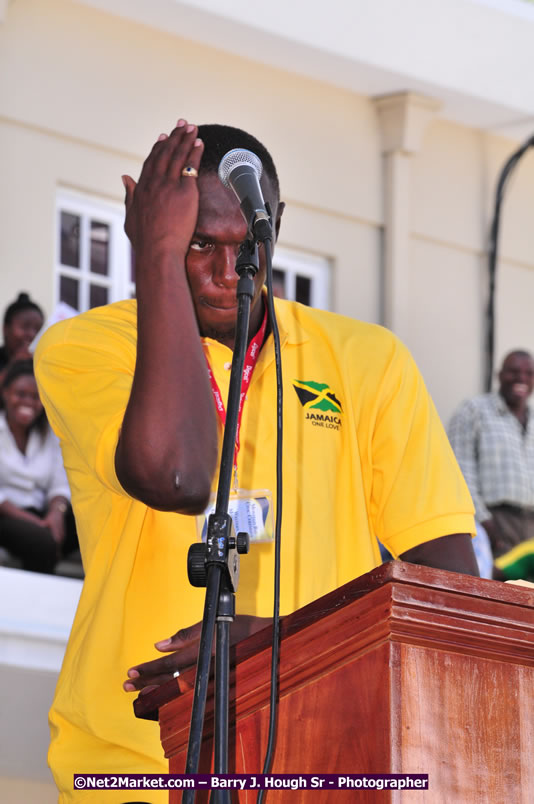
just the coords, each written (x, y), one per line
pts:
(501, 406)
(498, 403)
(290, 327)
(289, 321)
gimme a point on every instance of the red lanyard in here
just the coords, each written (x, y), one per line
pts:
(248, 367)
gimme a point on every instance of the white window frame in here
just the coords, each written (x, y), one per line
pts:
(317, 269)
(290, 261)
(88, 207)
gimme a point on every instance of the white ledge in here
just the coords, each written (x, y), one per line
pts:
(36, 614)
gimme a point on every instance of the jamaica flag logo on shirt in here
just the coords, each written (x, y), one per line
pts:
(317, 396)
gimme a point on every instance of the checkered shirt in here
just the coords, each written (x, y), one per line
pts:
(495, 455)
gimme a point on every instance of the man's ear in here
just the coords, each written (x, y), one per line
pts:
(279, 212)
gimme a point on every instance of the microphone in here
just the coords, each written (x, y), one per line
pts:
(240, 170)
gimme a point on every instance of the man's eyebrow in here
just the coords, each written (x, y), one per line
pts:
(199, 235)
(210, 237)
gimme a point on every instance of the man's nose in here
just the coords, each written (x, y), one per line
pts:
(224, 270)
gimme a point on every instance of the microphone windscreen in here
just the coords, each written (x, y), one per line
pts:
(238, 157)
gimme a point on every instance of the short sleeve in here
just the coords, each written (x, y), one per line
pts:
(418, 491)
(84, 369)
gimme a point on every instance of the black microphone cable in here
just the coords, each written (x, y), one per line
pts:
(492, 257)
(275, 656)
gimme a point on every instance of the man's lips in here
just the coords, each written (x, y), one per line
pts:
(220, 304)
(520, 389)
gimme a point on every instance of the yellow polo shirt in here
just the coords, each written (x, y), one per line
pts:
(365, 458)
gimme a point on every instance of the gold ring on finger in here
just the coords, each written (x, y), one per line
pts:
(190, 171)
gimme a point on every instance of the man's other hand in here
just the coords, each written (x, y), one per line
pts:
(182, 652)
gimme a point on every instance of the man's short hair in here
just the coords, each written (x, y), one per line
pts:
(218, 140)
(518, 353)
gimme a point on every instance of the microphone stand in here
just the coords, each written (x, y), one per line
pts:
(215, 564)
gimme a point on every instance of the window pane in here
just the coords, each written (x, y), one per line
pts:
(68, 291)
(279, 283)
(70, 240)
(99, 248)
(303, 289)
(97, 296)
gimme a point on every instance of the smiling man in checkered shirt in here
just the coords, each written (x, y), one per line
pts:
(493, 438)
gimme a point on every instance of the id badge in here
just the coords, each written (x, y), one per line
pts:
(251, 512)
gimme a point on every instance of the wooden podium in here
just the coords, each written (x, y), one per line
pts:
(403, 670)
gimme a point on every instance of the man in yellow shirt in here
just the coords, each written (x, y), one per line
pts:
(127, 391)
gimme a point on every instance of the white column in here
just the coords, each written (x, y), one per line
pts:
(403, 118)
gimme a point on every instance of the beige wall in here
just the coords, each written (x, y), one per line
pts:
(22, 791)
(454, 185)
(88, 94)
(28, 692)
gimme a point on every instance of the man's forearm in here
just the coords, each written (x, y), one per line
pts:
(453, 552)
(168, 444)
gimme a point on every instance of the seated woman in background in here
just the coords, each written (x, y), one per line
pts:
(36, 521)
(23, 319)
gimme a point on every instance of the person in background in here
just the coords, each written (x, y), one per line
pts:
(483, 552)
(492, 436)
(23, 319)
(36, 520)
